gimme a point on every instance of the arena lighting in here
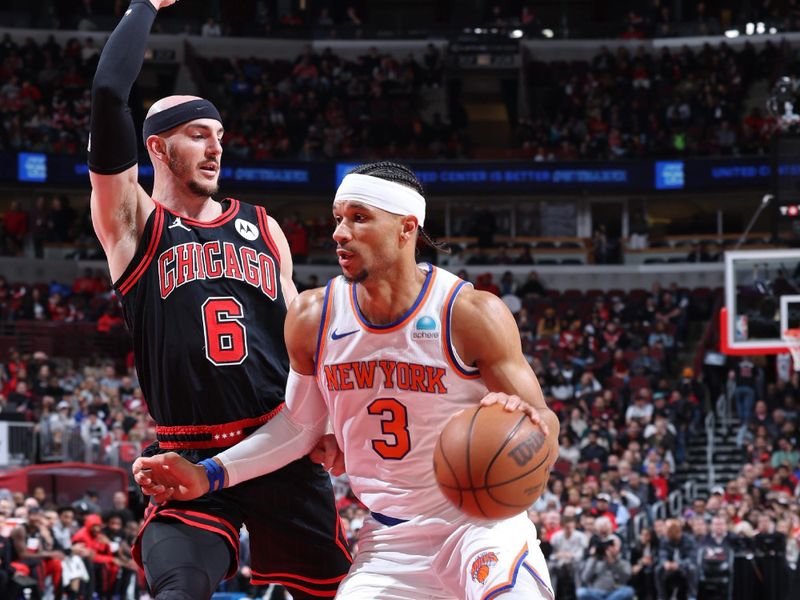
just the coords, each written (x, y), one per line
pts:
(750, 28)
(516, 34)
(773, 30)
(548, 33)
(760, 28)
(732, 33)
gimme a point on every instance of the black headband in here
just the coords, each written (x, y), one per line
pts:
(178, 115)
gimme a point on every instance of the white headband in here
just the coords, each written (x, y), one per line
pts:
(392, 197)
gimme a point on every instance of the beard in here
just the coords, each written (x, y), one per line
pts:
(183, 171)
(359, 278)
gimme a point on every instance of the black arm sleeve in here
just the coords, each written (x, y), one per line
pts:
(112, 136)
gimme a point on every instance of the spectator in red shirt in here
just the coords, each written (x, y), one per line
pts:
(109, 321)
(486, 283)
(103, 561)
(88, 284)
(551, 523)
(15, 225)
(601, 502)
(297, 236)
(659, 483)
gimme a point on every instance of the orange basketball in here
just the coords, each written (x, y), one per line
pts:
(492, 463)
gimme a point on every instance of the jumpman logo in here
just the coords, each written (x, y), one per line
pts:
(177, 223)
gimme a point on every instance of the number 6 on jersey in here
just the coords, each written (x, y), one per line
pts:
(225, 335)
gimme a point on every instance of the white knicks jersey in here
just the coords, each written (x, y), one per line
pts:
(390, 389)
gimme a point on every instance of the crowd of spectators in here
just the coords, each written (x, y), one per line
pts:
(323, 106)
(87, 299)
(624, 104)
(319, 106)
(44, 95)
(621, 104)
(49, 221)
(75, 551)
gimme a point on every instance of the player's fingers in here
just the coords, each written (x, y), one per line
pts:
(492, 398)
(164, 496)
(536, 418)
(512, 403)
(152, 490)
(142, 478)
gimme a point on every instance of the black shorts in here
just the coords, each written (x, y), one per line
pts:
(296, 537)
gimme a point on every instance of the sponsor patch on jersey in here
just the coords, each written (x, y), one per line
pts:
(479, 571)
(246, 229)
(426, 328)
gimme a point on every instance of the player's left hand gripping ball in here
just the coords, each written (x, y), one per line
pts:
(511, 403)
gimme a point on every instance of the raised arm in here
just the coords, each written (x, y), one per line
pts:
(290, 435)
(486, 335)
(119, 205)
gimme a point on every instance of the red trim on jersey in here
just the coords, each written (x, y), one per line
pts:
(158, 224)
(223, 434)
(209, 517)
(266, 578)
(224, 529)
(219, 526)
(226, 216)
(339, 533)
(301, 577)
(263, 225)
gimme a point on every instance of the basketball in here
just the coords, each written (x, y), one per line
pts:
(491, 463)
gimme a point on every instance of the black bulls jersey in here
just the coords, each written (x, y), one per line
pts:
(204, 304)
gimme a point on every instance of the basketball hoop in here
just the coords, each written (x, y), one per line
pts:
(792, 339)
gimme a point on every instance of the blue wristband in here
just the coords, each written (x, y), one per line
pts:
(215, 474)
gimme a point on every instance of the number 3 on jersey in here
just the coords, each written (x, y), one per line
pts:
(225, 334)
(394, 422)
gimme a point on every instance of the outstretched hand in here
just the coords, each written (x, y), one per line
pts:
(329, 455)
(511, 403)
(169, 476)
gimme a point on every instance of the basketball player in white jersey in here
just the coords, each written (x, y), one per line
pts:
(389, 352)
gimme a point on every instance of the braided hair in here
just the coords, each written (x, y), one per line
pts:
(397, 173)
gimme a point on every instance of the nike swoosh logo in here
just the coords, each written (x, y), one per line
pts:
(337, 336)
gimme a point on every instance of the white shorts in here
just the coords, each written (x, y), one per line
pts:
(427, 559)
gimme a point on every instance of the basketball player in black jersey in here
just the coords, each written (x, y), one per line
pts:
(204, 286)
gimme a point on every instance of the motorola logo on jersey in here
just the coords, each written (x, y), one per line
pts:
(425, 328)
(184, 263)
(246, 229)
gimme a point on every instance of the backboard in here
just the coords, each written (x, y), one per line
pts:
(762, 300)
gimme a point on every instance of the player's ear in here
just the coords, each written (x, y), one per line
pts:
(157, 147)
(409, 228)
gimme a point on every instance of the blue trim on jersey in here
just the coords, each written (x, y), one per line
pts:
(536, 576)
(510, 584)
(407, 314)
(387, 520)
(321, 332)
(448, 335)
